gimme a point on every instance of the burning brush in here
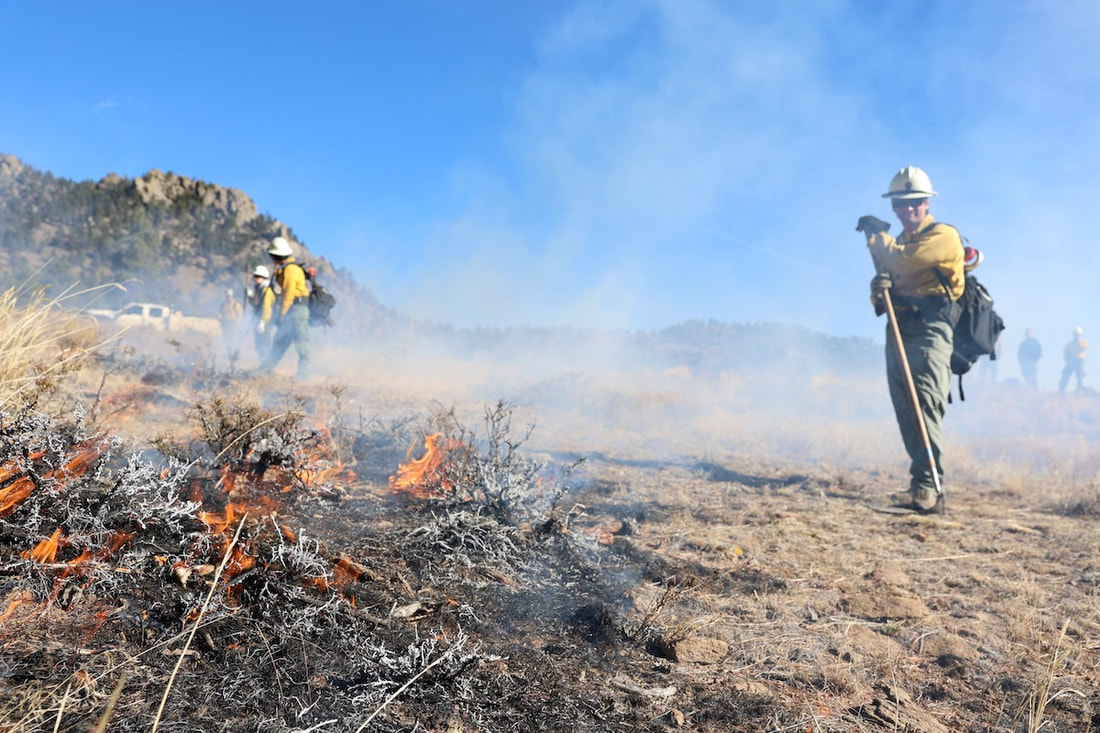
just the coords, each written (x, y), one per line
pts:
(431, 475)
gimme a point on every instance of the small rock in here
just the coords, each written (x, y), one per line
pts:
(698, 650)
(885, 605)
(889, 575)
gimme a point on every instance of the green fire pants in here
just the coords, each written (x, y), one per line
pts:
(928, 341)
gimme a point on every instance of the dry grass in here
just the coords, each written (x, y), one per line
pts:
(41, 341)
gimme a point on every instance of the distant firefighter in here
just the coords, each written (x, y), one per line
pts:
(1028, 354)
(1074, 354)
(261, 298)
(230, 317)
(292, 310)
(231, 311)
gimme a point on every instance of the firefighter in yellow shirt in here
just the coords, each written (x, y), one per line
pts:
(230, 316)
(291, 310)
(1074, 354)
(924, 270)
(261, 297)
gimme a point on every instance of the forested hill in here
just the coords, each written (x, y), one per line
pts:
(167, 237)
(182, 242)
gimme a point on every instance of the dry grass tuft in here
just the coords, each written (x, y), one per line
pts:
(1084, 503)
(40, 342)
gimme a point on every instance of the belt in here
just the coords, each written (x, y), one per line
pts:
(920, 302)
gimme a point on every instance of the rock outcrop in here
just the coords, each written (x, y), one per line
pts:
(169, 188)
(10, 166)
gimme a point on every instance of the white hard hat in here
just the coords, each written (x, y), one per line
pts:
(1078, 331)
(229, 292)
(280, 248)
(910, 183)
(261, 271)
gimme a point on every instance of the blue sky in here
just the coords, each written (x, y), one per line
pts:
(614, 164)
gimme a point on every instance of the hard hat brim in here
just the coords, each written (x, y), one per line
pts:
(908, 195)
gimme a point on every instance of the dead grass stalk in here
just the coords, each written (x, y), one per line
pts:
(198, 622)
(1041, 695)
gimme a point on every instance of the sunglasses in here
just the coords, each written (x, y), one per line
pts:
(906, 203)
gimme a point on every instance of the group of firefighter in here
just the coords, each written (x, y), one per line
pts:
(278, 305)
(1073, 353)
(920, 277)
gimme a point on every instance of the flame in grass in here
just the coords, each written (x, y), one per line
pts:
(241, 560)
(426, 477)
(24, 597)
(324, 463)
(220, 522)
(13, 467)
(247, 493)
(46, 550)
(14, 494)
(77, 463)
(18, 490)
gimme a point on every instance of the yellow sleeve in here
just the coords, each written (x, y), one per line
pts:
(879, 244)
(267, 305)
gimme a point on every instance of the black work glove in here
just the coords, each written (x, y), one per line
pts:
(871, 225)
(879, 283)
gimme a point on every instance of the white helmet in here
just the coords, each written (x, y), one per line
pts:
(1078, 331)
(229, 293)
(261, 271)
(280, 248)
(910, 183)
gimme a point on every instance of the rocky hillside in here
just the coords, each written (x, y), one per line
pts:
(183, 241)
(164, 235)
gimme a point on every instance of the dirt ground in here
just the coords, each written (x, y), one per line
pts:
(663, 551)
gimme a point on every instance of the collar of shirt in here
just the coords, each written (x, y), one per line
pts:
(925, 224)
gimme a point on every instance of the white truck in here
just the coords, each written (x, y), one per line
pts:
(159, 317)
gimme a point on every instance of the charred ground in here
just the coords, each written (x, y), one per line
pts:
(635, 563)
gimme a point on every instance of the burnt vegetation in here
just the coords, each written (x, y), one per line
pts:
(248, 577)
(321, 612)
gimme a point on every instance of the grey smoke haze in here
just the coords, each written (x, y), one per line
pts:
(693, 159)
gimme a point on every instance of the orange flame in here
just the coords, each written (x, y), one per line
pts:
(425, 477)
(12, 496)
(82, 457)
(117, 541)
(249, 491)
(46, 550)
(74, 564)
(240, 560)
(219, 522)
(23, 597)
(13, 467)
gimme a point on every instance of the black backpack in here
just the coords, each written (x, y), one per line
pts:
(976, 329)
(321, 301)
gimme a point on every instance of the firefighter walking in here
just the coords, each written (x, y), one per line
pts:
(291, 311)
(261, 298)
(1074, 355)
